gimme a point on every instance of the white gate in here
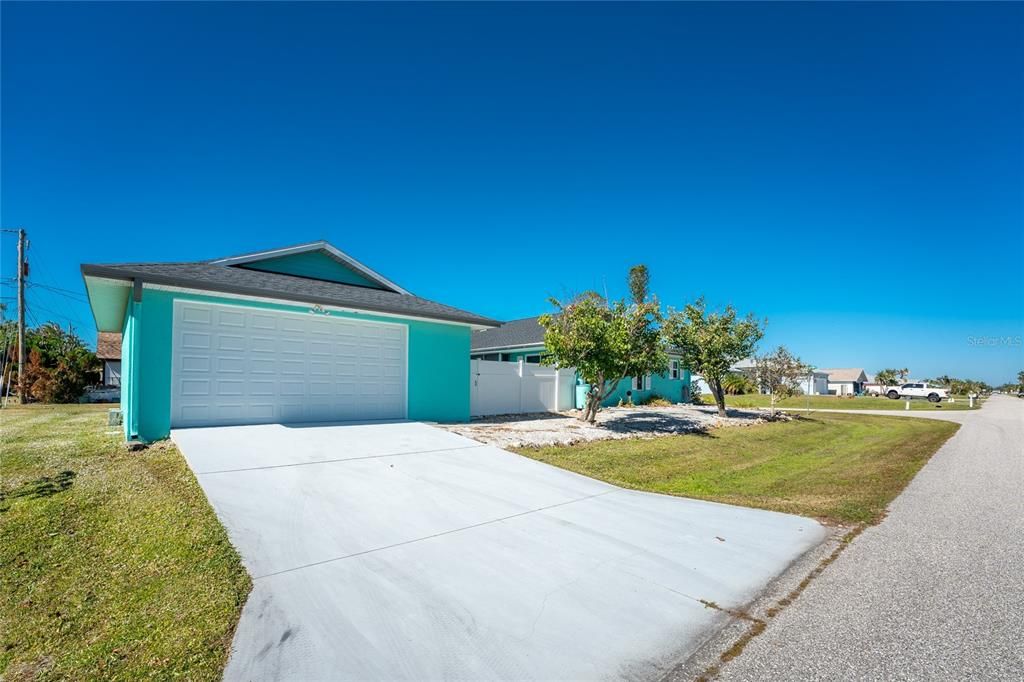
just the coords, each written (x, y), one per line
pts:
(519, 388)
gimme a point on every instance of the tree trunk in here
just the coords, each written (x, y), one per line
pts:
(719, 393)
(593, 403)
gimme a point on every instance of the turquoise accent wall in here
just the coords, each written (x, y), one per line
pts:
(315, 264)
(438, 385)
(515, 355)
(673, 390)
(129, 370)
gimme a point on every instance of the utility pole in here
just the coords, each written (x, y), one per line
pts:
(22, 270)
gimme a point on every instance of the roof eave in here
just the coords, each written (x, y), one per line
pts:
(89, 270)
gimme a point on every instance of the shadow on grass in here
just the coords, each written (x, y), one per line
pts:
(41, 487)
(656, 423)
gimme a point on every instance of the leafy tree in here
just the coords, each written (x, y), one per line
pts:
(1020, 379)
(605, 341)
(711, 342)
(639, 281)
(737, 383)
(59, 365)
(967, 386)
(779, 373)
(886, 378)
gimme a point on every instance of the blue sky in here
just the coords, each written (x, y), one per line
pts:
(854, 173)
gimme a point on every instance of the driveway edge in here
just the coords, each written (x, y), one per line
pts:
(708, 657)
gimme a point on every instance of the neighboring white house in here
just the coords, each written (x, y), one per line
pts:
(108, 351)
(846, 381)
(815, 383)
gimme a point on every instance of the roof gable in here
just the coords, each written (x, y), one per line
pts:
(315, 260)
(315, 265)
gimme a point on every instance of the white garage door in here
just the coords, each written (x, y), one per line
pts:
(239, 365)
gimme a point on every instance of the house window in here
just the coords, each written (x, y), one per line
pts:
(642, 383)
(533, 359)
(486, 356)
(673, 369)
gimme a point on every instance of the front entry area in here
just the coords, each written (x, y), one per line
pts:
(249, 365)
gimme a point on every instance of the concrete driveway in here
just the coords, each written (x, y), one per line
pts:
(402, 551)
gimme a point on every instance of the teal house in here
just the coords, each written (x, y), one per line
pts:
(297, 334)
(524, 339)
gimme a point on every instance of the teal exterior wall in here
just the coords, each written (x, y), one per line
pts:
(673, 390)
(438, 370)
(516, 354)
(313, 264)
(129, 370)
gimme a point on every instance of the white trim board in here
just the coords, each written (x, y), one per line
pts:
(333, 251)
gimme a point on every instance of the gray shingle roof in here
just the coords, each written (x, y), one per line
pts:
(242, 281)
(511, 334)
(844, 374)
(518, 334)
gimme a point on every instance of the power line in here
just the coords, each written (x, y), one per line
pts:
(57, 290)
(62, 315)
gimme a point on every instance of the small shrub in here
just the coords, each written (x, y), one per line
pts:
(654, 400)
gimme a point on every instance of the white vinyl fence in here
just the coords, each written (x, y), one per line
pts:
(519, 388)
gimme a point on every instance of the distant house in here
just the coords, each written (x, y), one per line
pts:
(815, 383)
(108, 350)
(846, 381)
(524, 339)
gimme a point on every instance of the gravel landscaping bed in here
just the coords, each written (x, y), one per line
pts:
(528, 430)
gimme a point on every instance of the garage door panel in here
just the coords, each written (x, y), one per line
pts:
(195, 387)
(261, 365)
(231, 318)
(192, 363)
(321, 348)
(231, 365)
(234, 365)
(261, 388)
(197, 314)
(262, 411)
(195, 340)
(229, 342)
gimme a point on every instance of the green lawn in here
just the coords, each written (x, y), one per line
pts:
(836, 467)
(113, 564)
(831, 402)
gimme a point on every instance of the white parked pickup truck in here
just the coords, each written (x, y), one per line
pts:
(933, 393)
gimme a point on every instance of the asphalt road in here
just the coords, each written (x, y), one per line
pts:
(935, 591)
